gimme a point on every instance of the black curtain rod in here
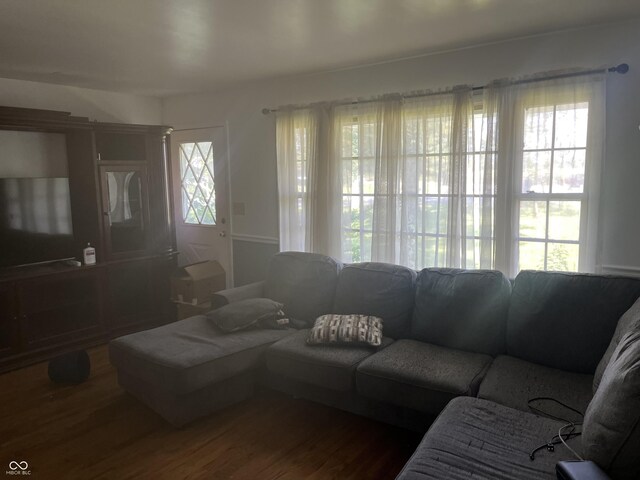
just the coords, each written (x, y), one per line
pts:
(622, 69)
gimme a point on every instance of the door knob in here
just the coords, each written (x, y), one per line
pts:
(223, 221)
(223, 233)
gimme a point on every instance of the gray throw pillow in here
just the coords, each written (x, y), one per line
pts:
(629, 322)
(262, 312)
(611, 429)
(346, 330)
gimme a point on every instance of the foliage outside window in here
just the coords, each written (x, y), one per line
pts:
(198, 183)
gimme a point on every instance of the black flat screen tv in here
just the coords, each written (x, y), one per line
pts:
(35, 221)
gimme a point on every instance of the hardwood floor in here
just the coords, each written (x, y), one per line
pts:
(96, 430)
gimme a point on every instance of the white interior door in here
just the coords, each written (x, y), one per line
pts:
(199, 165)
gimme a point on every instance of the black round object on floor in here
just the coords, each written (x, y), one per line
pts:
(71, 367)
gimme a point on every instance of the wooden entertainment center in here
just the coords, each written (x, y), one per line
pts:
(51, 308)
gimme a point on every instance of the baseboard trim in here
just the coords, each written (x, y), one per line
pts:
(255, 238)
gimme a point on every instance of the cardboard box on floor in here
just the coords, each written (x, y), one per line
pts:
(195, 283)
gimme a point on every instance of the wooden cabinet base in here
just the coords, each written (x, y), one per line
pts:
(47, 311)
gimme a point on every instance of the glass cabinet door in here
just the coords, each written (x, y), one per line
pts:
(124, 196)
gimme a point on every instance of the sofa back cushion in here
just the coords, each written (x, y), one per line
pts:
(380, 290)
(611, 428)
(566, 320)
(304, 282)
(462, 309)
(629, 322)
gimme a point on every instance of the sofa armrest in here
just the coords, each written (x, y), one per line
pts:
(577, 470)
(231, 295)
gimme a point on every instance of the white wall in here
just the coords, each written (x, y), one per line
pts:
(252, 135)
(81, 102)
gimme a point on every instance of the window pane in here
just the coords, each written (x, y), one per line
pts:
(473, 216)
(347, 178)
(444, 174)
(429, 252)
(538, 127)
(443, 215)
(354, 216)
(368, 175)
(368, 146)
(563, 257)
(367, 206)
(198, 184)
(536, 172)
(531, 256)
(568, 171)
(533, 219)
(351, 245)
(355, 177)
(365, 248)
(346, 212)
(571, 125)
(431, 215)
(564, 220)
(432, 175)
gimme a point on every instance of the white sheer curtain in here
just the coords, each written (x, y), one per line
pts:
(308, 182)
(507, 178)
(295, 142)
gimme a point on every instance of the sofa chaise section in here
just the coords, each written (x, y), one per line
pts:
(190, 368)
(167, 365)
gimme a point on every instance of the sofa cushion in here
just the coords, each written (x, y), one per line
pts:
(629, 322)
(462, 309)
(346, 330)
(190, 354)
(611, 429)
(379, 289)
(566, 320)
(479, 439)
(328, 366)
(304, 282)
(513, 382)
(420, 376)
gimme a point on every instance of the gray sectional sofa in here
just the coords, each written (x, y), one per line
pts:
(463, 354)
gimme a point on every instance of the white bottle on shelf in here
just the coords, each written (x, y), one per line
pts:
(89, 255)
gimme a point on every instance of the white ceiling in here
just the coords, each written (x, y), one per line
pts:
(164, 47)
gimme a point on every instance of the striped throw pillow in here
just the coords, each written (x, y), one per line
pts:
(346, 330)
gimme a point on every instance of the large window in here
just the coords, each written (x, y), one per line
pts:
(507, 179)
(425, 186)
(551, 193)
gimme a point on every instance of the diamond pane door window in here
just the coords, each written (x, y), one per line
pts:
(197, 176)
